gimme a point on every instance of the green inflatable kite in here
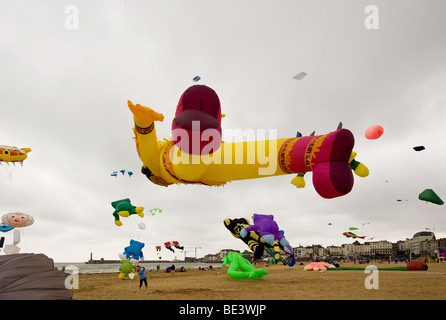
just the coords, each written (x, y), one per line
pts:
(124, 208)
(430, 196)
(127, 269)
(240, 268)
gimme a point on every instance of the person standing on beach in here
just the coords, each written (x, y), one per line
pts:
(142, 276)
(172, 269)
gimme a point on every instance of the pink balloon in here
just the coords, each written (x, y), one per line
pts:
(374, 132)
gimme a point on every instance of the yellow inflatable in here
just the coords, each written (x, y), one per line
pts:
(13, 154)
(195, 154)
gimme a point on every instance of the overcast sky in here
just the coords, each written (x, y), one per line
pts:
(64, 94)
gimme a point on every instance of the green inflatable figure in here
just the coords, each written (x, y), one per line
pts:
(240, 268)
(124, 208)
(126, 269)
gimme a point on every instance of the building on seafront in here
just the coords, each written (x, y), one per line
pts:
(422, 244)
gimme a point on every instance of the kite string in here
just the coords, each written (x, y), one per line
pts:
(163, 194)
(324, 44)
(9, 173)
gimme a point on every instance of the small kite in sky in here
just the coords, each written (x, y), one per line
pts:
(374, 132)
(196, 78)
(419, 148)
(13, 154)
(430, 196)
(155, 210)
(115, 173)
(300, 76)
(352, 235)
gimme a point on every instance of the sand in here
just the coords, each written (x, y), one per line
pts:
(281, 283)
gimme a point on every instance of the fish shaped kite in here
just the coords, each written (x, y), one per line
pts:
(13, 154)
(352, 235)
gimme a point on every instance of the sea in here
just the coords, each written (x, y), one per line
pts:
(82, 267)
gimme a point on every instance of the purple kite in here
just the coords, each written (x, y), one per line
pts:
(268, 230)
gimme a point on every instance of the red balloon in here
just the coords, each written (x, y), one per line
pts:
(374, 132)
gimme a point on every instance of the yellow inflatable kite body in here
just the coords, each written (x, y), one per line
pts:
(196, 155)
(13, 154)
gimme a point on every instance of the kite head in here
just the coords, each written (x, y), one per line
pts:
(17, 219)
(198, 111)
(236, 225)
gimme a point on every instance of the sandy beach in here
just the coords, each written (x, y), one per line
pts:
(281, 283)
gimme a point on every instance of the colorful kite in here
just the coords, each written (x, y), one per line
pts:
(268, 231)
(352, 235)
(127, 269)
(124, 208)
(17, 219)
(252, 240)
(170, 244)
(318, 266)
(155, 210)
(300, 76)
(197, 155)
(196, 78)
(115, 173)
(374, 132)
(134, 250)
(429, 195)
(13, 154)
(240, 268)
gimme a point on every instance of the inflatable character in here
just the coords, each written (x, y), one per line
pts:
(240, 268)
(134, 250)
(170, 244)
(268, 231)
(124, 208)
(254, 241)
(415, 265)
(17, 219)
(13, 154)
(318, 266)
(127, 269)
(196, 153)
